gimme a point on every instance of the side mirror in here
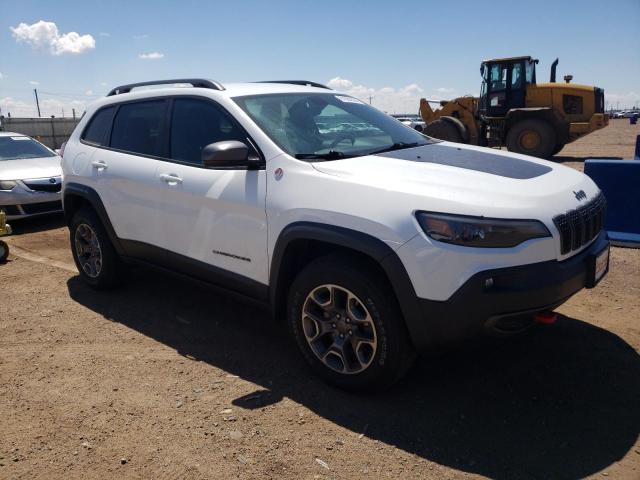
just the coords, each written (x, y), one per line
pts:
(228, 154)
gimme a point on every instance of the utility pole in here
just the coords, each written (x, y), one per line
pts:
(73, 110)
(37, 102)
(370, 98)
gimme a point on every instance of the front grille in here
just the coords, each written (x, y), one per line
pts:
(44, 207)
(44, 184)
(578, 227)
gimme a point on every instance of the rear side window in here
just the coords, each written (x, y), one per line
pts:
(97, 132)
(138, 126)
(197, 123)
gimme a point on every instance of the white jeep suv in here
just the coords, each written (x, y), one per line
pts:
(370, 240)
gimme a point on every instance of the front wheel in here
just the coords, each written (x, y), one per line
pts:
(4, 251)
(348, 326)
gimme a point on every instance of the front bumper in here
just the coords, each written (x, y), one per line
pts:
(503, 300)
(26, 204)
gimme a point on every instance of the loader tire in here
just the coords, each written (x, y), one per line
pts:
(532, 137)
(443, 130)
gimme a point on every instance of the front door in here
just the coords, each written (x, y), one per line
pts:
(215, 217)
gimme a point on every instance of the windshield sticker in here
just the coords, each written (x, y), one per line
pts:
(345, 99)
(19, 138)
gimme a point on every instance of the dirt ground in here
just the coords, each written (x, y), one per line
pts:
(166, 379)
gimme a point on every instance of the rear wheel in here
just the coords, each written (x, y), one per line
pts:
(94, 255)
(444, 130)
(348, 326)
(4, 251)
(532, 137)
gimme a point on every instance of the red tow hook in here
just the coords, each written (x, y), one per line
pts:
(547, 317)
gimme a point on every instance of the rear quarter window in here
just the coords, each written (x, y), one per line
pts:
(97, 132)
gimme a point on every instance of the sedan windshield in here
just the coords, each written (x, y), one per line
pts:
(19, 147)
(327, 126)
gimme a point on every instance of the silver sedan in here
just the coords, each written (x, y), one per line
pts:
(30, 177)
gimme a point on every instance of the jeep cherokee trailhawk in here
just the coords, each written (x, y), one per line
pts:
(370, 240)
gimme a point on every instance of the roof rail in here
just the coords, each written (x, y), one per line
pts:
(195, 82)
(306, 83)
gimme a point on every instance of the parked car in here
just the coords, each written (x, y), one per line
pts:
(30, 177)
(414, 122)
(371, 244)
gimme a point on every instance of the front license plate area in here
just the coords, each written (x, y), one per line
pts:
(599, 264)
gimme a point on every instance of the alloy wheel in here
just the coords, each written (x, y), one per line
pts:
(339, 329)
(88, 250)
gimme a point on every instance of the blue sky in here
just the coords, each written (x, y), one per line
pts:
(395, 51)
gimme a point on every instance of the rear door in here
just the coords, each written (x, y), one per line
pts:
(125, 171)
(215, 217)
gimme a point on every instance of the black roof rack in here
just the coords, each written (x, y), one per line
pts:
(195, 82)
(305, 83)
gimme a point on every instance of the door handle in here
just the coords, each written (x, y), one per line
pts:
(99, 165)
(170, 178)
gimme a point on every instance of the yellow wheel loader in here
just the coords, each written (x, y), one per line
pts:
(514, 110)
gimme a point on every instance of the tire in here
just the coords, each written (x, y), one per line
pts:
(444, 130)
(4, 251)
(96, 259)
(557, 148)
(533, 137)
(376, 348)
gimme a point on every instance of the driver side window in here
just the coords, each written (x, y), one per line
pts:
(197, 123)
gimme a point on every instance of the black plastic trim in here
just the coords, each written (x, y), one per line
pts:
(140, 252)
(502, 293)
(91, 197)
(371, 246)
(195, 82)
(304, 83)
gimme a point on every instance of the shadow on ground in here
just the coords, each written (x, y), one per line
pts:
(560, 402)
(37, 224)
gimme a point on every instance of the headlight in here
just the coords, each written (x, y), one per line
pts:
(479, 231)
(7, 184)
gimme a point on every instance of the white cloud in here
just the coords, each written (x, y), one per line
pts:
(140, 37)
(1, 76)
(624, 100)
(104, 34)
(151, 56)
(103, 84)
(88, 93)
(390, 99)
(48, 107)
(45, 36)
(33, 82)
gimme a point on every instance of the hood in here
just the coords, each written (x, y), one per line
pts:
(30, 168)
(468, 180)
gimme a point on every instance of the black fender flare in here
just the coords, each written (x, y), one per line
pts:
(361, 242)
(90, 196)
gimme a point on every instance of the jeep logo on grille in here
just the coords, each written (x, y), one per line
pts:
(580, 195)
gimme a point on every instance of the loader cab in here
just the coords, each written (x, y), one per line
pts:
(504, 84)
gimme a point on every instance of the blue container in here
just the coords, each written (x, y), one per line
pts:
(633, 119)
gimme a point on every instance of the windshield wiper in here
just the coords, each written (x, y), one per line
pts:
(330, 155)
(397, 146)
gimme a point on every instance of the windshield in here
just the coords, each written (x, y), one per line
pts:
(19, 147)
(327, 126)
